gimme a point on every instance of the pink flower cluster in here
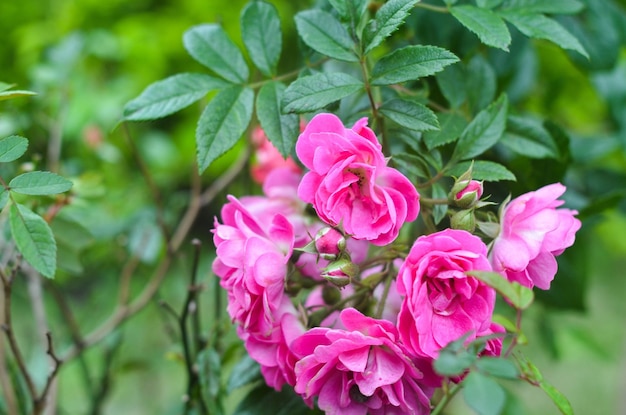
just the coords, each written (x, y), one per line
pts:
(323, 343)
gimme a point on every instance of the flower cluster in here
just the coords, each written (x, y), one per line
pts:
(328, 303)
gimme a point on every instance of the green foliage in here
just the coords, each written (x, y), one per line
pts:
(314, 92)
(519, 296)
(34, 239)
(261, 33)
(487, 25)
(326, 35)
(222, 123)
(410, 114)
(12, 148)
(281, 129)
(410, 63)
(483, 394)
(39, 183)
(388, 18)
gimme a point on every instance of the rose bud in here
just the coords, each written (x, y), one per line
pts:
(329, 243)
(340, 272)
(464, 220)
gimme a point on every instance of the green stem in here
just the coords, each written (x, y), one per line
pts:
(383, 299)
(446, 399)
(432, 202)
(285, 76)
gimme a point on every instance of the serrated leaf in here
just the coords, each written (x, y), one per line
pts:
(483, 394)
(4, 95)
(40, 183)
(222, 123)
(542, 27)
(316, 91)
(281, 129)
(453, 364)
(262, 36)
(488, 171)
(325, 34)
(33, 239)
(411, 63)
(388, 18)
(410, 114)
(452, 84)
(170, 95)
(245, 372)
(543, 6)
(484, 131)
(480, 82)
(519, 296)
(12, 148)
(529, 138)
(451, 126)
(488, 26)
(412, 165)
(498, 367)
(210, 45)
(488, 4)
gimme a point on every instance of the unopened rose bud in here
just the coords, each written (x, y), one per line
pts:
(464, 220)
(329, 243)
(340, 272)
(468, 195)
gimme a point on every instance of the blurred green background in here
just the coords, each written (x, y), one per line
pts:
(87, 58)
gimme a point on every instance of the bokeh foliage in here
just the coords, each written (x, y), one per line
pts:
(86, 59)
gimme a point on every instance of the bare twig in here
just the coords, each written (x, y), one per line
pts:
(6, 385)
(40, 402)
(8, 331)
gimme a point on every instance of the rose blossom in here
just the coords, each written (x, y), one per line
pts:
(362, 369)
(268, 158)
(349, 183)
(441, 302)
(252, 257)
(532, 232)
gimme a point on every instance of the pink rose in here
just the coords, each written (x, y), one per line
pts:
(349, 183)
(441, 302)
(362, 369)
(252, 264)
(268, 158)
(532, 232)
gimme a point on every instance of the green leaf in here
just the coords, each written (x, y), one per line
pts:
(483, 394)
(388, 18)
(281, 129)
(260, 30)
(484, 131)
(542, 27)
(341, 6)
(34, 239)
(451, 126)
(263, 400)
(452, 84)
(411, 63)
(519, 296)
(498, 367)
(170, 95)
(12, 148)
(245, 372)
(39, 183)
(4, 86)
(325, 34)
(532, 373)
(488, 26)
(4, 95)
(480, 82)
(222, 123)
(210, 45)
(410, 114)
(453, 364)
(488, 4)
(529, 138)
(316, 91)
(557, 397)
(439, 211)
(543, 6)
(412, 165)
(488, 171)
